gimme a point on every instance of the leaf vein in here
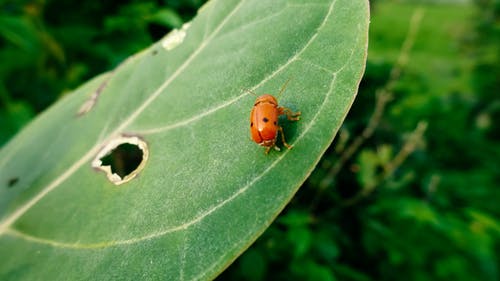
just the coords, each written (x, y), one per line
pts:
(242, 190)
(183, 226)
(4, 224)
(227, 103)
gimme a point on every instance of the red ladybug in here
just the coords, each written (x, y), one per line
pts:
(264, 125)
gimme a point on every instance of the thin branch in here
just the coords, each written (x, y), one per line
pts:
(383, 96)
(414, 140)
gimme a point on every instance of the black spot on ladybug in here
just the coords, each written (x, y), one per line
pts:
(251, 124)
(274, 122)
(265, 120)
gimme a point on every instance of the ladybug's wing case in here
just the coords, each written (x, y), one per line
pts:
(264, 118)
(254, 132)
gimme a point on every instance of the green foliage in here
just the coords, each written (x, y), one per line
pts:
(179, 111)
(50, 47)
(436, 215)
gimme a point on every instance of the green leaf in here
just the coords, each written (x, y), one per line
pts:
(166, 17)
(296, 218)
(253, 265)
(201, 191)
(368, 163)
(20, 31)
(300, 238)
(311, 271)
(325, 246)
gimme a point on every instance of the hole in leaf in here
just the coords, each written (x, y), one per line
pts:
(122, 158)
(12, 181)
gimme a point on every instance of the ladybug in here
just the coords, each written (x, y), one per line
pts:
(264, 125)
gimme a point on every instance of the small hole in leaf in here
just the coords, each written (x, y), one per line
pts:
(122, 158)
(12, 181)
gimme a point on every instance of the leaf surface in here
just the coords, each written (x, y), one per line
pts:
(205, 191)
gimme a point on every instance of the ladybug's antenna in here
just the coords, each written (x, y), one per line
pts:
(283, 87)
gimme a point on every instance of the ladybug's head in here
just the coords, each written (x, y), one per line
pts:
(266, 99)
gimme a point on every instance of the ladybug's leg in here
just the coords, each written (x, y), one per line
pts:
(290, 115)
(283, 138)
(270, 145)
(267, 149)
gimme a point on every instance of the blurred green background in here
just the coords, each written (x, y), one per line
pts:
(409, 190)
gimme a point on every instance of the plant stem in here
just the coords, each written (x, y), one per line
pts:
(383, 96)
(413, 141)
